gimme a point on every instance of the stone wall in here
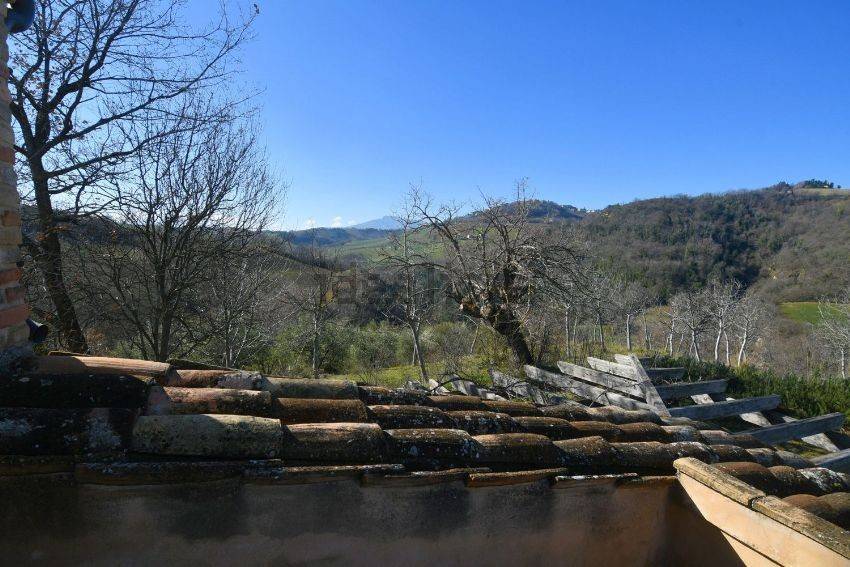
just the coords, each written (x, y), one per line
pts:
(14, 332)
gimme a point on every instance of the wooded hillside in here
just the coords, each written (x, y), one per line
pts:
(790, 242)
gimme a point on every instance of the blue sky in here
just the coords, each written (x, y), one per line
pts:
(595, 102)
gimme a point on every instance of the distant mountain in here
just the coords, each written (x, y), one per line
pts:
(328, 237)
(386, 222)
(549, 211)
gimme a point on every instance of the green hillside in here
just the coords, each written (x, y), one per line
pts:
(804, 311)
(788, 241)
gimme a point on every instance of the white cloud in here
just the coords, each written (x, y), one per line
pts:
(311, 223)
(336, 222)
(351, 223)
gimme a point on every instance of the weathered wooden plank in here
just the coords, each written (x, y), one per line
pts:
(727, 408)
(703, 399)
(470, 388)
(831, 441)
(822, 440)
(838, 461)
(686, 389)
(623, 359)
(517, 387)
(626, 386)
(796, 429)
(651, 394)
(583, 389)
(669, 374)
(615, 368)
(609, 381)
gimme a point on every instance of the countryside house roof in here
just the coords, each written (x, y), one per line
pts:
(109, 421)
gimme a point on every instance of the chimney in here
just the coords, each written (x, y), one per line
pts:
(14, 331)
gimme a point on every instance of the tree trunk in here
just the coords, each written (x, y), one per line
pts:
(601, 333)
(647, 337)
(671, 335)
(575, 334)
(315, 347)
(629, 332)
(726, 338)
(742, 352)
(717, 343)
(417, 352)
(163, 348)
(695, 345)
(49, 260)
(844, 363)
(509, 327)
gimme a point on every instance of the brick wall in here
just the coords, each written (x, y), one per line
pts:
(14, 332)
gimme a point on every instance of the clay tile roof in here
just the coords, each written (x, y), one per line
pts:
(819, 491)
(113, 421)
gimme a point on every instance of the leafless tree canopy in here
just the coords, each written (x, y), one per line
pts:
(189, 213)
(81, 77)
(496, 259)
(407, 263)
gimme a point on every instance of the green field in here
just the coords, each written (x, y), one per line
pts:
(802, 311)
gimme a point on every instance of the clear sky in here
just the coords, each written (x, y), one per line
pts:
(595, 102)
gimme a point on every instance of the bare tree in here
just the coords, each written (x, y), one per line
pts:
(748, 323)
(601, 291)
(671, 316)
(403, 258)
(495, 259)
(197, 198)
(243, 305)
(721, 300)
(631, 300)
(81, 75)
(834, 326)
(690, 310)
(315, 296)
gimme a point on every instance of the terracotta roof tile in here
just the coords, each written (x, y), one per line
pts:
(232, 379)
(48, 431)
(512, 408)
(816, 490)
(516, 450)
(379, 395)
(189, 423)
(476, 422)
(334, 443)
(410, 417)
(456, 403)
(74, 391)
(431, 448)
(168, 400)
(312, 388)
(205, 435)
(298, 410)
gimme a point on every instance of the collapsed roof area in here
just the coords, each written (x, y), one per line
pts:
(88, 422)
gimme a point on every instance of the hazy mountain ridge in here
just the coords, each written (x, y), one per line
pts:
(386, 222)
(381, 227)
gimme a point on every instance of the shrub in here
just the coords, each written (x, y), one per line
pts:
(801, 396)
